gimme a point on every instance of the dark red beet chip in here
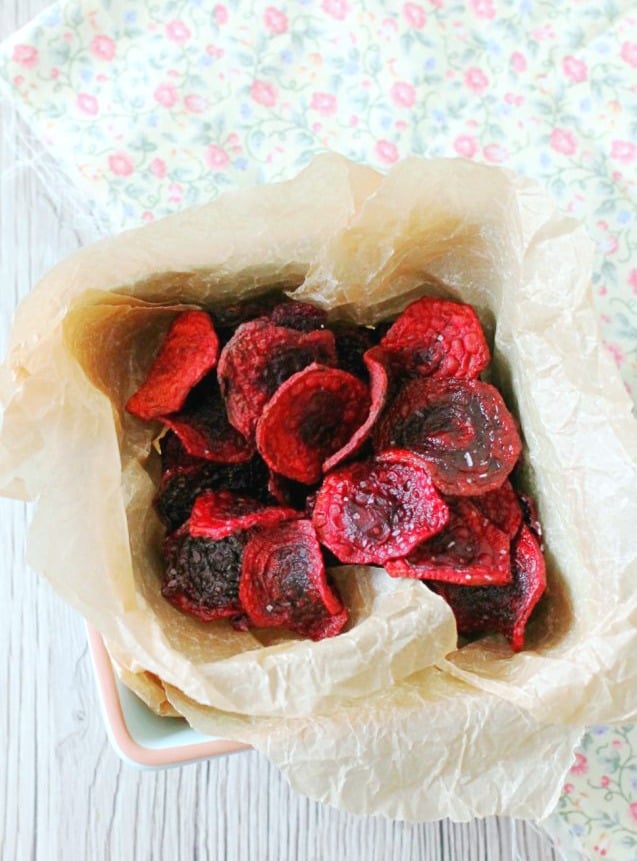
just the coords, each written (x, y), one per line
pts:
(188, 353)
(180, 487)
(308, 418)
(202, 576)
(502, 507)
(352, 342)
(378, 389)
(218, 513)
(501, 609)
(531, 516)
(258, 359)
(437, 338)
(284, 584)
(174, 457)
(229, 317)
(377, 510)
(462, 428)
(203, 427)
(299, 315)
(469, 551)
(286, 492)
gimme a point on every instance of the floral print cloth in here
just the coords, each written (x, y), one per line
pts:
(152, 106)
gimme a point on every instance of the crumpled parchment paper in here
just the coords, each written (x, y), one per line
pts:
(389, 717)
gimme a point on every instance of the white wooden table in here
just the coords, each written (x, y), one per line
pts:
(64, 794)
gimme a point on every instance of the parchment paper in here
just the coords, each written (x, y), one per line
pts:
(389, 717)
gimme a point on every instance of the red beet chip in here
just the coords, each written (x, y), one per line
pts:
(174, 457)
(378, 389)
(180, 487)
(284, 585)
(299, 315)
(501, 609)
(469, 551)
(202, 576)
(218, 513)
(258, 359)
(376, 510)
(188, 353)
(308, 418)
(462, 428)
(203, 427)
(437, 338)
(502, 507)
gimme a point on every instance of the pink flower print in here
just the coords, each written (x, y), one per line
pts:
(55, 73)
(166, 95)
(26, 55)
(148, 216)
(624, 151)
(195, 104)
(386, 152)
(121, 164)
(465, 145)
(403, 94)
(175, 192)
(483, 8)
(628, 53)
(580, 766)
(568, 788)
(87, 104)
(518, 62)
(604, 781)
(177, 31)
(476, 80)
(336, 8)
(495, 153)
(263, 93)
(414, 15)
(617, 353)
(158, 168)
(575, 70)
(221, 14)
(275, 20)
(103, 47)
(324, 103)
(563, 141)
(216, 157)
(632, 280)
(633, 811)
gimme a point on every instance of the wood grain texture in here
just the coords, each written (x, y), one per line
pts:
(64, 794)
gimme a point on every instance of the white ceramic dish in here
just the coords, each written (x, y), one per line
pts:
(140, 737)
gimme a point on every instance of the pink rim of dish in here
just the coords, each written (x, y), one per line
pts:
(124, 743)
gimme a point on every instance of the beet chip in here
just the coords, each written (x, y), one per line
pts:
(204, 429)
(376, 510)
(501, 609)
(469, 551)
(258, 359)
(180, 487)
(218, 513)
(352, 342)
(202, 576)
(309, 418)
(188, 353)
(462, 428)
(299, 315)
(436, 338)
(531, 516)
(284, 585)
(378, 388)
(502, 507)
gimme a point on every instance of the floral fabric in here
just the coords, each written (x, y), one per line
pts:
(153, 106)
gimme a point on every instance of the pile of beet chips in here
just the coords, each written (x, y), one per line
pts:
(290, 443)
